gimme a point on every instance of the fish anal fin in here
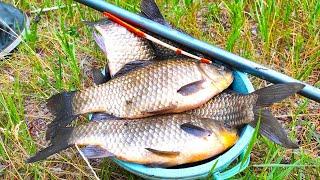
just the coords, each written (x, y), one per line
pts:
(195, 130)
(191, 88)
(95, 152)
(163, 153)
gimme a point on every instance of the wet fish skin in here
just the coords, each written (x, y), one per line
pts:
(173, 139)
(154, 88)
(168, 86)
(156, 140)
(235, 109)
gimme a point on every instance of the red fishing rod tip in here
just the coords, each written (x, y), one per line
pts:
(204, 60)
(107, 14)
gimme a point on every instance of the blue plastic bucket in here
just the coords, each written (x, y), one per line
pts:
(240, 84)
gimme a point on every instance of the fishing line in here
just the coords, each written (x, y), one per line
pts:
(51, 8)
(87, 161)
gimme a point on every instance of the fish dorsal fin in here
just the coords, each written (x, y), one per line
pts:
(150, 10)
(163, 153)
(191, 88)
(99, 77)
(132, 66)
(272, 129)
(195, 130)
(103, 117)
(95, 152)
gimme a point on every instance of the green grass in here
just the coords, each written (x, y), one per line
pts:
(59, 50)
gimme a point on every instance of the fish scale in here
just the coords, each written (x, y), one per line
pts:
(231, 108)
(121, 46)
(127, 139)
(173, 139)
(153, 88)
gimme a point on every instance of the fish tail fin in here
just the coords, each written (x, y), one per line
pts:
(275, 93)
(61, 106)
(271, 128)
(59, 142)
(269, 125)
(150, 10)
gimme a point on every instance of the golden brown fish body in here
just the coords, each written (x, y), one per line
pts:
(173, 139)
(121, 46)
(158, 140)
(167, 86)
(162, 87)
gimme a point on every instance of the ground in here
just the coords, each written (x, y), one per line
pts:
(59, 52)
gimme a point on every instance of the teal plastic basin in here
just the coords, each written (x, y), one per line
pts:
(241, 84)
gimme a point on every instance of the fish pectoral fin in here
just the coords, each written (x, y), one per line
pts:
(100, 41)
(163, 153)
(191, 88)
(95, 152)
(272, 129)
(162, 110)
(195, 130)
(98, 77)
(103, 117)
(132, 66)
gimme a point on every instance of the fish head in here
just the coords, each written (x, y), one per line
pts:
(219, 76)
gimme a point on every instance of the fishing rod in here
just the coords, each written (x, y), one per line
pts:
(221, 55)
